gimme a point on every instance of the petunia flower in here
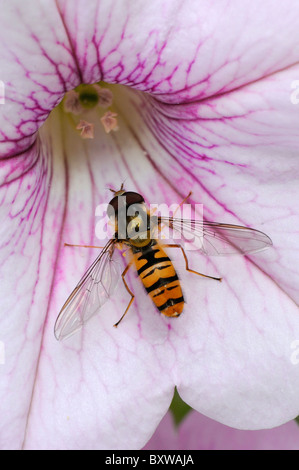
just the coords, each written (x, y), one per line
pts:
(197, 432)
(203, 98)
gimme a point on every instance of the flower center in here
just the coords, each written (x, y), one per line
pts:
(88, 96)
(83, 100)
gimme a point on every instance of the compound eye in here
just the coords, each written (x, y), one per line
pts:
(122, 202)
(133, 198)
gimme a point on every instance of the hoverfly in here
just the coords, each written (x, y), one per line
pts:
(154, 267)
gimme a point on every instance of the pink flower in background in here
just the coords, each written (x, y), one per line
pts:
(197, 432)
(203, 104)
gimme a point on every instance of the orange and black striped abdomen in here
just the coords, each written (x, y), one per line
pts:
(159, 278)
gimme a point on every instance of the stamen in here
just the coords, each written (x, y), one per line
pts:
(105, 96)
(87, 129)
(71, 103)
(109, 122)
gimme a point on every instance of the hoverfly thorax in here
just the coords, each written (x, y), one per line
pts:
(128, 212)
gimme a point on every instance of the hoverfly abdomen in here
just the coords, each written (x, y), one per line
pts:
(159, 278)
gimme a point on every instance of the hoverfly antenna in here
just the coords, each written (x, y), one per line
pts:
(120, 191)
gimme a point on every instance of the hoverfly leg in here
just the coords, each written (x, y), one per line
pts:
(83, 246)
(130, 292)
(187, 263)
(185, 199)
(180, 204)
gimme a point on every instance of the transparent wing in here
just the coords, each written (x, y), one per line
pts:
(94, 289)
(213, 238)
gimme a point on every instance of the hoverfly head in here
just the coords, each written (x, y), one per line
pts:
(127, 210)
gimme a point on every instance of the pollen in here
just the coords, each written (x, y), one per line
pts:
(71, 103)
(105, 96)
(87, 129)
(109, 122)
